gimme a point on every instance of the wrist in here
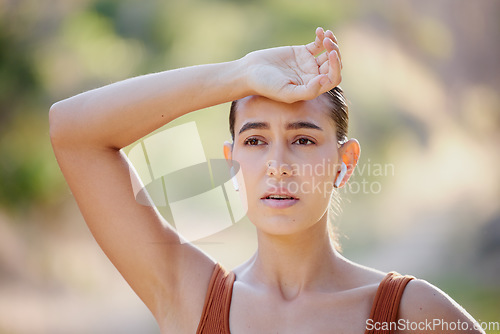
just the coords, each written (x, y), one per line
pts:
(240, 78)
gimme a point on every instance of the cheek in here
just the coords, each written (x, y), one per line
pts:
(248, 176)
(315, 177)
(251, 177)
(321, 163)
(252, 164)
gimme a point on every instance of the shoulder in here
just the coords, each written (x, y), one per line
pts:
(359, 275)
(426, 306)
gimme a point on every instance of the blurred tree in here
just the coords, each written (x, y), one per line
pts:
(422, 78)
(21, 173)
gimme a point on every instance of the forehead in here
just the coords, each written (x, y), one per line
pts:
(262, 109)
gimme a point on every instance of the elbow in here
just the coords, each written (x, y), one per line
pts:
(58, 123)
(54, 120)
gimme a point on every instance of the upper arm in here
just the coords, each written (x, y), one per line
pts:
(165, 273)
(424, 305)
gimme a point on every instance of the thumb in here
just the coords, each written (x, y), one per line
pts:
(315, 87)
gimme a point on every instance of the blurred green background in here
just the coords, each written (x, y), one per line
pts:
(422, 79)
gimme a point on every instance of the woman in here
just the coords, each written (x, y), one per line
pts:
(288, 115)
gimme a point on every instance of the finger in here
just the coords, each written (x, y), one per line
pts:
(322, 58)
(320, 32)
(330, 46)
(325, 67)
(317, 46)
(334, 68)
(309, 91)
(315, 87)
(330, 35)
(319, 85)
(331, 67)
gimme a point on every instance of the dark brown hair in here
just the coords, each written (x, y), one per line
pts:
(339, 113)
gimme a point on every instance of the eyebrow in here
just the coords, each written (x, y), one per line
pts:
(254, 125)
(289, 126)
(302, 125)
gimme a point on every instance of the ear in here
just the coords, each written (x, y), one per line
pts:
(228, 152)
(349, 154)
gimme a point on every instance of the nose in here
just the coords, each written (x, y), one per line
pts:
(278, 166)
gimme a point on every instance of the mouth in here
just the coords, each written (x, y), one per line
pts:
(280, 197)
(279, 200)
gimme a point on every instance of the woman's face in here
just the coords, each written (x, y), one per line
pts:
(288, 155)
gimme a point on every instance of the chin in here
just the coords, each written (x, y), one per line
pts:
(280, 224)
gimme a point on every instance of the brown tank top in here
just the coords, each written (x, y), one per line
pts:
(386, 303)
(215, 316)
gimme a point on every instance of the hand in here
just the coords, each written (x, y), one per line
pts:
(294, 73)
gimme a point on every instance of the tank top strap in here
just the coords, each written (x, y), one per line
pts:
(386, 303)
(215, 315)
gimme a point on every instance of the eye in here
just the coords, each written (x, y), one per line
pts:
(252, 141)
(303, 141)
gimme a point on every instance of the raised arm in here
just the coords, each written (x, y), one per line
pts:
(88, 130)
(118, 114)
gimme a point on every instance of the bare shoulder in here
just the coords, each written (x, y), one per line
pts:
(425, 307)
(362, 276)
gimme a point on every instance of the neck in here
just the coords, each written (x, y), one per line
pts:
(294, 263)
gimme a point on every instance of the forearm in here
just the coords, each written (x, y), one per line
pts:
(116, 115)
